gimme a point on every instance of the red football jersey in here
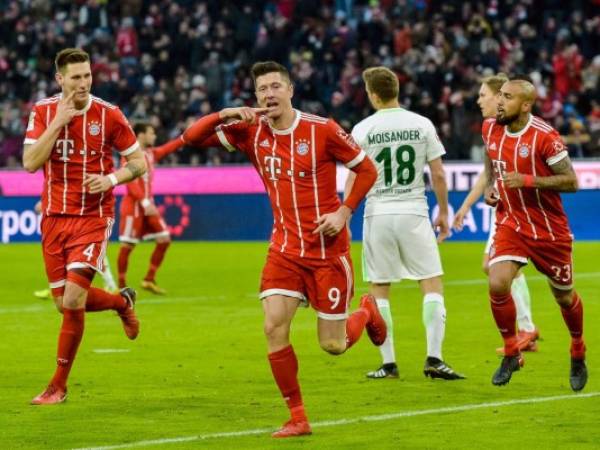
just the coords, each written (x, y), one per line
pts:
(141, 187)
(83, 147)
(535, 213)
(298, 168)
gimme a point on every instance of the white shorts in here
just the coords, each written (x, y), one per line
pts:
(399, 246)
(490, 240)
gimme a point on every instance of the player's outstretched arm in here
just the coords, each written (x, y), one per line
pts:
(35, 155)
(474, 194)
(199, 132)
(440, 189)
(564, 180)
(135, 166)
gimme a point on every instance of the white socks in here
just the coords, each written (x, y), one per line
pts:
(434, 319)
(520, 294)
(387, 348)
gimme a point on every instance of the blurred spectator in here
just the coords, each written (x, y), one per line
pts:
(168, 62)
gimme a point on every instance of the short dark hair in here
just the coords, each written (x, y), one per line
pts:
(382, 81)
(70, 56)
(264, 67)
(141, 127)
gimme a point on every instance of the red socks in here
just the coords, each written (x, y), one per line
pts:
(100, 300)
(69, 338)
(284, 366)
(505, 314)
(573, 316)
(355, 326)
(157, 258)
(122, 263)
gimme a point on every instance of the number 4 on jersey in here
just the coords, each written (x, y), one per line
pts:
(89, 251)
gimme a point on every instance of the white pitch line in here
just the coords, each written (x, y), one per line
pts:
(335, 423)
(408, 285)
(111, 350)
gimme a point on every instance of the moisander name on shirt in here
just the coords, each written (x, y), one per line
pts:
(390, 137)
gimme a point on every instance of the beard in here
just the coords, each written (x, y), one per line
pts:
(506, 119)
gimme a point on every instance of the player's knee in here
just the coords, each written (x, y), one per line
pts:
(274, 330)
(333, 347)
(499, 285)
(563, 298)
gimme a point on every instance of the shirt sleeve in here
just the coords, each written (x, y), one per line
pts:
(553, 148)
(36, 125)
(342, 146)
(435, 148)
(234, 136)
(123, 137)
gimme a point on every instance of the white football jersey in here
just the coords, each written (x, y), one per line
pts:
(400, 143)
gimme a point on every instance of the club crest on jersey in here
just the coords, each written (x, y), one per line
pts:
(94, 128)
(302, 147)
(524, 151)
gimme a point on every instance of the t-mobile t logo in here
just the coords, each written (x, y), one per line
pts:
(499, 168)
(65, 147)
(273, 167)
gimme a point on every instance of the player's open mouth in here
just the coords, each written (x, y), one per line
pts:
(272, 104)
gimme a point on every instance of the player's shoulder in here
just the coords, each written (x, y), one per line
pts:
(103, 103)
(541, 126)
(48, 100)
(314, 119)
(490, 125)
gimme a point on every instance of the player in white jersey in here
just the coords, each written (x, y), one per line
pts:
(528, 332)
(398, 238)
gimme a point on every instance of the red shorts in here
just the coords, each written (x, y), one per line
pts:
(327, 284)
(70, 242)
(552, 258)
(134, 225)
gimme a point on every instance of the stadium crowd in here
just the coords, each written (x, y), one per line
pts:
(170, 61)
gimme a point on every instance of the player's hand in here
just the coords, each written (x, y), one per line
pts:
(97, 183)
(440, 225)
(150, 210)
(459, 219)
(65, 110)
(38, 207)
(244, 113)
(331, 224)
(491, 195)
(514, 180)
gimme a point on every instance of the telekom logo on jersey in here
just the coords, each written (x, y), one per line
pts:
(66, 147)
(273, 167)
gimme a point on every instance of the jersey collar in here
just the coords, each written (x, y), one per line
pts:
(522, 131)
(291, 128)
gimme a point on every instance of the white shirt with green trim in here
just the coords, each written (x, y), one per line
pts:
(400, 143)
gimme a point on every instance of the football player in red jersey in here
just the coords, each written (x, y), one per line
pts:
(71, 135)
(140, 218)
(527, 166)
(295, 154)
(528, 333)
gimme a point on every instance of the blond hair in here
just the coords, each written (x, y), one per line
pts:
(382, 81)
(495, 82)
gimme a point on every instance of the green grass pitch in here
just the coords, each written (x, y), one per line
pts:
(198, 372)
